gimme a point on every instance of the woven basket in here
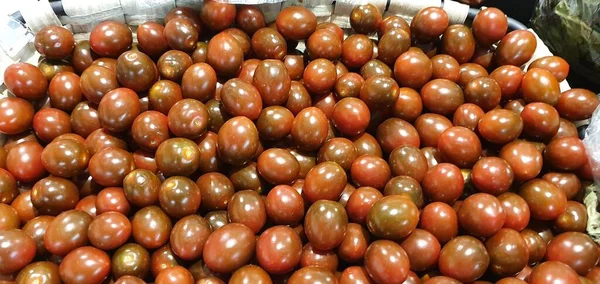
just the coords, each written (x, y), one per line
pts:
(80, 16)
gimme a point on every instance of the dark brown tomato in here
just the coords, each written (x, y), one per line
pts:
(516, 48)
(546, 201)
(392, 44)
(64, 91)
(375, 67)
(278, 166)
(151, 39)
(339, 150)
(102, 138)
(500, 126)
(85, 265)
(552, 272)
(247, 207)
(145, 160)
(492, 175)
(443, 182)
(392, 217)
(357, 50)
(268, 43)
(360, 202)
(188, 118)
(429, 23)
(464, 258)
(324, 181)
(468, 115)
(407, 186)
(68, 231)
(481, 214)
(349, 85)
(539, 85)
(39, 272)
(573, 219)
(50, 67)
(460, 146)
(357, 275)
(173, 64)
(238, 140)
(130, 260)
(180, 34)
(178, 156)
(229, 248)
(217, 219)
(324, 43)
(509, 78)
(508, 252)
(339, 33)
(442, 96)
(151, 227)
(249, 18)
(577, 104)
(274, 123)
(296, 22)
(408, 106)
(225, 54)
(109, 230)
(110, 39)
(309, 129)
(25, 81)
(109, 166)
(445, 67)
(87, 205)
(216, 191)
(370, 170)
(312, 274)
(18, 250)
(49, 123)
(319, 76)
(160, 260)
(320, 258)
(567, 182)
(284, 205)
(8, 187)
(484, 56)
(24, 161)
(470, 71)
(188, 237)
(179, 196)
(242, 39)
(16, 115)
(248, 69)
(65, 158)
(298, 98)
(413, 69)
(250, 274)
(84, 119)
(10, 218)
(355, 243)
(217, 16)
(82, 56)
(247, 177)
(540, 121)
(422, 248)
(109, 63)
(489, 26)
(567, 153)
(272, 80)
(22, 204)
(54, 42)
(210, 160)
(150, 129)
(294, 63)
(395, 132)
(392, 22)
(386, 260)
(141, 187)
(379, 92)
(575, 249)
(118, 109)
(554, 64)
(53, 195)
(136, 71)
(367, 144)
(325, 224)
(365, 19)
(459, 43)
(199, 82)
(484, 92)
(441, 220)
